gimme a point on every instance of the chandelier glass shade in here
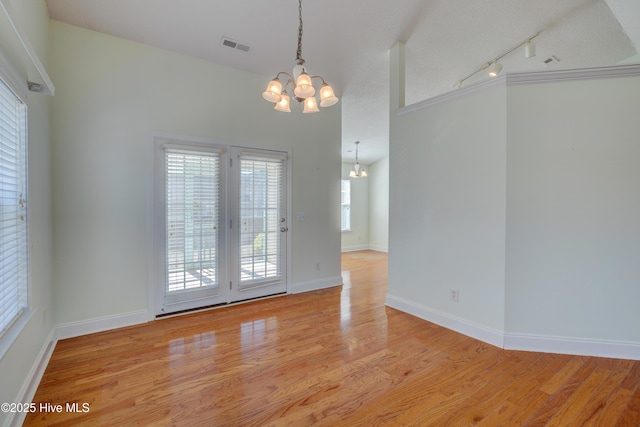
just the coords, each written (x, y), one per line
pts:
(357, 172)
(300, 83)
(284, 104)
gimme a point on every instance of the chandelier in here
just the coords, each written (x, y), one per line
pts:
(300, 83)
(357, 171)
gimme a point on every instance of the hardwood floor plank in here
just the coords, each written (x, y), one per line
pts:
(631, 414)
(598, 399)
(556, 401)
(494, 394)
(575, 404)
(561, 377)
(334, 357)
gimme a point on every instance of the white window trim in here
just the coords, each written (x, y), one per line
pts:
(11, 334)
(10, 77)
(345, 230)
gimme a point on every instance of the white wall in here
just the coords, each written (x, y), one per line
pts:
(632, 60)
(573, 215)
(369, 209)
(528, 202)
(358, 238)
(111, 96)
(379, 205)
(447, 169)
(17, 364)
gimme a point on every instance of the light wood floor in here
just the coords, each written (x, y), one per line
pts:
(334, 357)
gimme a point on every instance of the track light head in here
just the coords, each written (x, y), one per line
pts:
(529, 49)
(497, 67)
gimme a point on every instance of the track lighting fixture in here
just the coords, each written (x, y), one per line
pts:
(496, 67)
(529, 49)
(495, 70)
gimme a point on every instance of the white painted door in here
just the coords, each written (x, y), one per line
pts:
(193, 232)
(258, 233)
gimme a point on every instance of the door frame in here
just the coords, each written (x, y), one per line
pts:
(155, 252)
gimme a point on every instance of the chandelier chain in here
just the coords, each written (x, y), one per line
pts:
(299, 53)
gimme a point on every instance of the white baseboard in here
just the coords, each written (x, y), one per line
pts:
(379, 248)
(354, 248)
(314, 285)
(575, 346)
(99, 324)
(32, 381)
(521, 342)
(471, 329)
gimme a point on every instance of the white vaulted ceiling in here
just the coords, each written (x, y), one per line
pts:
(348, 41)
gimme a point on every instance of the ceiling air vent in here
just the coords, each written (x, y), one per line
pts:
(234, 44)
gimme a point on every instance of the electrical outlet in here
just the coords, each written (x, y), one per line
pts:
(317, 266)
(454, 295)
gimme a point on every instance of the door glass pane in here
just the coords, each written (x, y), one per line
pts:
(260, 213)
(192, 220)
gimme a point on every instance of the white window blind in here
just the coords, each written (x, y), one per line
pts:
(345, 196)
(192, 212)
(14, 299)
(261, 192)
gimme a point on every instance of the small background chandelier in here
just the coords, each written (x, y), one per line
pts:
(357, 171)
(300, 83)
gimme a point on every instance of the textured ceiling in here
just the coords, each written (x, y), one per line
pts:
(348, 41)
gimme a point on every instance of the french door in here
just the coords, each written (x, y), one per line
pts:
(222, 224)
(258, 242)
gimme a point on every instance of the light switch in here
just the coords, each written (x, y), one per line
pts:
(300, 216)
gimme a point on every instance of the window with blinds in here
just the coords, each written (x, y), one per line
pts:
(261, 192)
(345, 201)
(13, 211)
(192, 212)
